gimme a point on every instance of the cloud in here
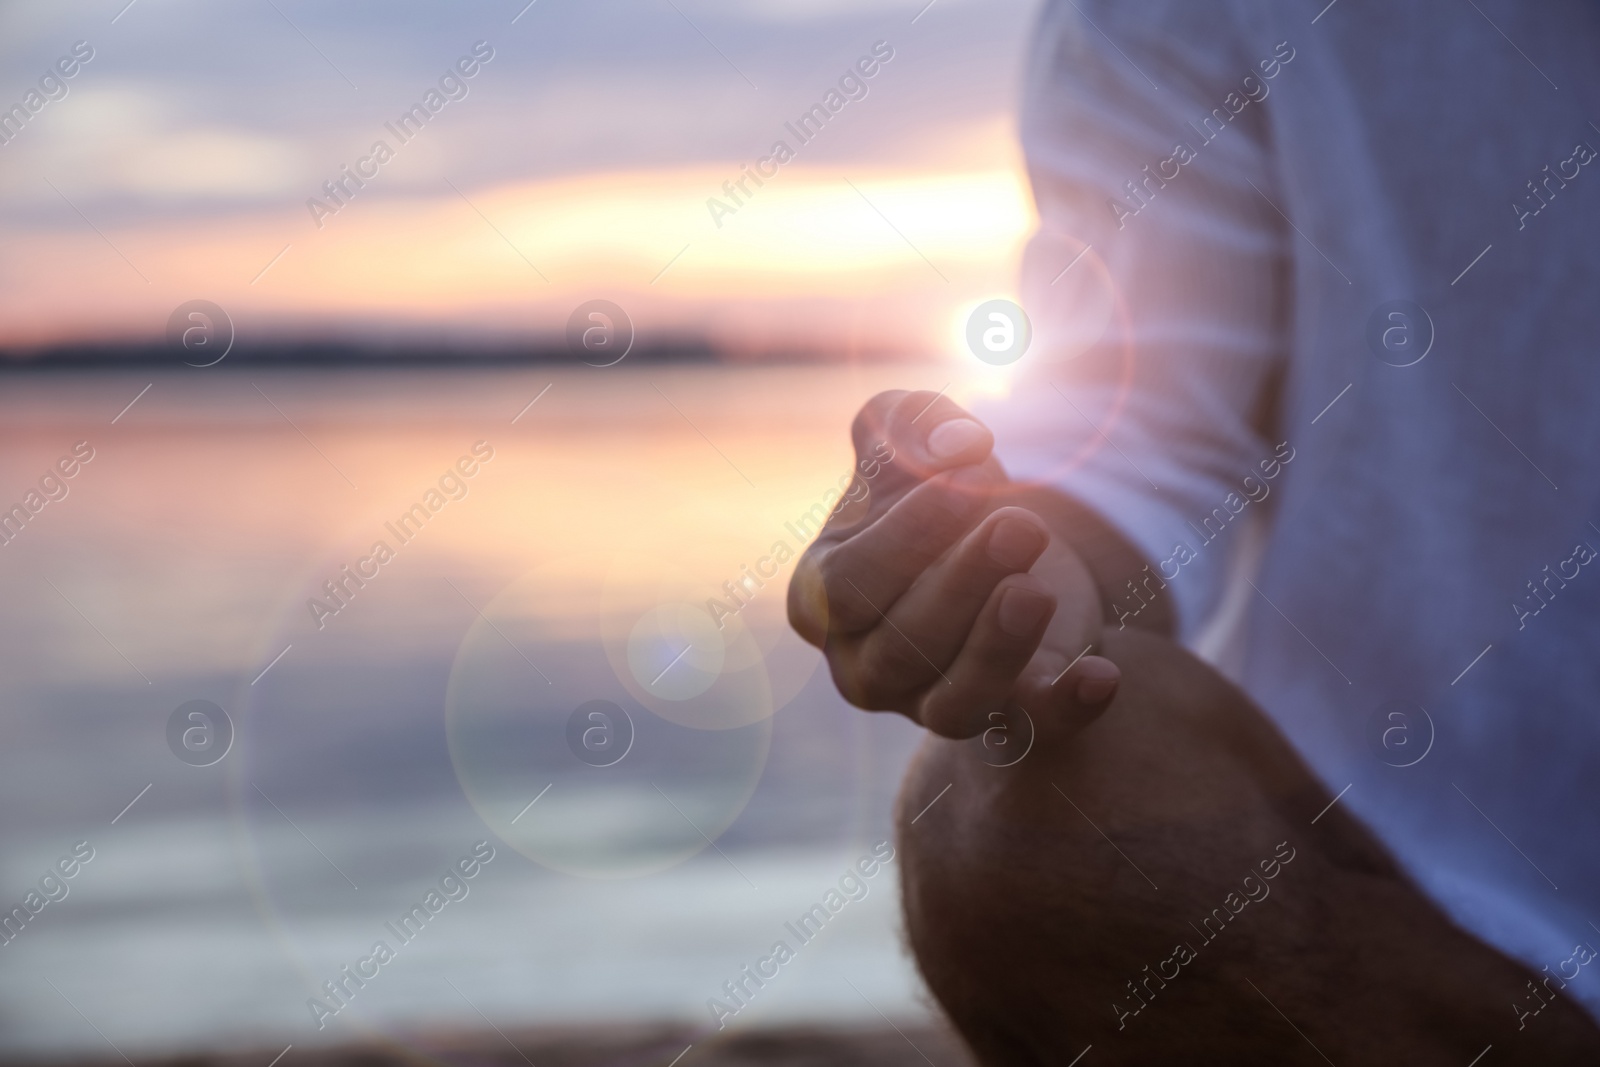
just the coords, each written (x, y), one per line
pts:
(594, 137)
(134, 143)
(209, 162)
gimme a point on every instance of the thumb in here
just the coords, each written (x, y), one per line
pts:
(904, 438)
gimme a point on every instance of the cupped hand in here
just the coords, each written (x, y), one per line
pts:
(933, 597)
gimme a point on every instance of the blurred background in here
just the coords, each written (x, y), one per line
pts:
(386, 358)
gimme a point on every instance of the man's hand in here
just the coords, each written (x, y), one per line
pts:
(934, 598)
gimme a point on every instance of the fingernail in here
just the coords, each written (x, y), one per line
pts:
(1096, 690)
(1021, 611)
(1015, 544)
(955, 436)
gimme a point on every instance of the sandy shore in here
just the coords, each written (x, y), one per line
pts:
(623, 1046)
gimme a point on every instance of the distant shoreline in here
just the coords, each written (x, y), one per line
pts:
(310, 354)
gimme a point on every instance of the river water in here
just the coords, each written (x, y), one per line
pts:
(373, 746)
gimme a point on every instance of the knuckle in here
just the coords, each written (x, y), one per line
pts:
(823, 562)
(913, 401)
(891, 663)
(848, 609)
(929, 408)
(807, 601)
(860, 688)
(872, 420)
(950, 713)
(904, 537)
(969, 576)
(939, 502)
(999, 656)
(849, 684)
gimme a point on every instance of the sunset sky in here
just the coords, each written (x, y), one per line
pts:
(159, 152)
(575, 162)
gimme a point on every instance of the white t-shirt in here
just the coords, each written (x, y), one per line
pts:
(1252, 215)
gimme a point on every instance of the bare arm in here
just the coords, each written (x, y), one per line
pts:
(1158, 808)
(1153, 884)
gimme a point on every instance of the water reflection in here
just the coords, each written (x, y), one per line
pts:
(376, 743)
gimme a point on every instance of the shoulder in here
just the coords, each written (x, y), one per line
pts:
(1201, 38)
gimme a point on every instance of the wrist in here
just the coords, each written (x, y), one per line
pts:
(1130, 592)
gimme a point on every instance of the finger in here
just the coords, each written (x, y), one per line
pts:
(1067, 695)
(862, 577)
(907, 437)
(1001, 643)
(938, 611)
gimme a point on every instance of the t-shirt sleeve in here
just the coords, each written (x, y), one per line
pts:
(1158, 279)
